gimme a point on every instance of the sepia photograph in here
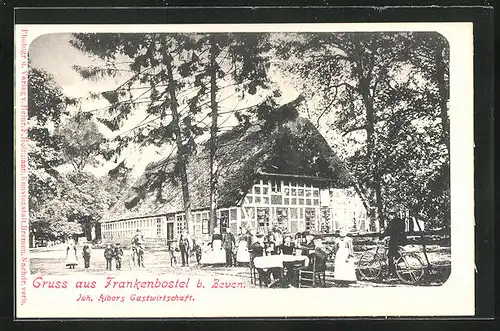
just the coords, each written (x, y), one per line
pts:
(272, 161)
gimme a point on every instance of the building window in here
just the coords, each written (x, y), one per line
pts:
(282, 218)
(158, 227)
(250, 212)
(265, 190)
(300, 192)
(276, 200)
(310, 219)
(275, 186)
(205, 226)
(257, 200)
(256, 189)
(181, 224)
(263, 218)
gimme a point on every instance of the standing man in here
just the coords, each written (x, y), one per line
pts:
(109, 253)
(86, 255)
(118, 256)
(184, 247)
(229, 242)
(397, 237)
(138, 245)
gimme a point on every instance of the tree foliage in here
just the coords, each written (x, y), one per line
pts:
(79, 141)
(79, 204)
(388, 93)
(46, 106)
(60, 202)
(178, 80)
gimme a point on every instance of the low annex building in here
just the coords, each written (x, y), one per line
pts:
(280, 172)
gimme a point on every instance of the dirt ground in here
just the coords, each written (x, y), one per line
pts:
(51, 261)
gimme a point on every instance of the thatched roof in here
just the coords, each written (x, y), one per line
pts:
(289, 145)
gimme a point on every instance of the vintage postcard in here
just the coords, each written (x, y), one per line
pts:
(244, 170)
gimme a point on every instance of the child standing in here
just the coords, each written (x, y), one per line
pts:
(118, 256)
(345, 272)
(108, 255)
(86, 255)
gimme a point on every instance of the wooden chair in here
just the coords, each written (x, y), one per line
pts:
(254, 274)
(313, 277)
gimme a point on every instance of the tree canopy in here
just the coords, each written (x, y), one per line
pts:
(387, 94)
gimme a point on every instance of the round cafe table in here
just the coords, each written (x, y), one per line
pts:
(278, 261)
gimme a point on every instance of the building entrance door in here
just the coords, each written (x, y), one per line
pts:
(170, 231)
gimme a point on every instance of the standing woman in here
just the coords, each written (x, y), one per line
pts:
(242, 254)
(71, 258)
(345, 272)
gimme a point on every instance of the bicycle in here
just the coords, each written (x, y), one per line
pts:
(409, 266)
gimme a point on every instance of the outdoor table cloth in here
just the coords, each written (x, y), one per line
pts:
(276, 261)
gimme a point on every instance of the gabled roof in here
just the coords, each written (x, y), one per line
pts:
(289, 145)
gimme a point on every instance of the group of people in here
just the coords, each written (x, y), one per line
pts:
(72, 256)
(113, 253)
(252, 245)
(313, 247)
(305, 243)
(186, 245)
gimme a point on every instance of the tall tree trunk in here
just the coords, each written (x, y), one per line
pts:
(443, 96)
(364, 199)
(181, 152)
(376, 184)
(214, 173)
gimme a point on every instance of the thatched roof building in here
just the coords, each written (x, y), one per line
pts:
(290, 146)
(276, 172)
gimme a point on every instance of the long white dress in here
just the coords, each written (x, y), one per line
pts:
(71, 258)
(344, 266)
(214, 255)
(242, 255)
(217, 245)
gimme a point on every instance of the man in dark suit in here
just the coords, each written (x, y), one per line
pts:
(228, 242)
(396, 232)
(184, 246)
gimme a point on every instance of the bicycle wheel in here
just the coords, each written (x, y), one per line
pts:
(410, 268)
(369, 266)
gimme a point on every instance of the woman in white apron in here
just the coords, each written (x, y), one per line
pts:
(242, 254)
(345, 271)
(71, 258)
